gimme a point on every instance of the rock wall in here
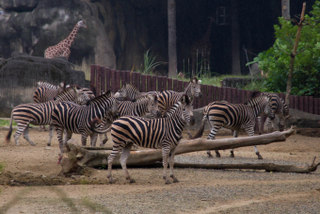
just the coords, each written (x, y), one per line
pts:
(19, 74)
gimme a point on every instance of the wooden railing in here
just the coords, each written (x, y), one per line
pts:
(103, 79)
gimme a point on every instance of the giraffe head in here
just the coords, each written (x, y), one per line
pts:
(81, 23)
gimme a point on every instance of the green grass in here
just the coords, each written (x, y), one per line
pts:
(1, 167)
(5, 122)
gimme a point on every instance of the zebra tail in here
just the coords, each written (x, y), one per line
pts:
(10, 131)
(199, 133)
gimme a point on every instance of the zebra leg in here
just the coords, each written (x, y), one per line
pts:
(171, 164)
(93, 139)
(84, 139)
(103, 139)
(123, 161)
(250, 132)
(50, 135)
(212, 136)
(235, 134)
(26, 136)
(115, 151)
(165, 155)
(61, 143)
(20, 130)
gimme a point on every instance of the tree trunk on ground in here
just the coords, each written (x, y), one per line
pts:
(294, 53)
(285, 9)
(78, 157)
(172, 49)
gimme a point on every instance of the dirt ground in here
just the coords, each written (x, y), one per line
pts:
(30, 183)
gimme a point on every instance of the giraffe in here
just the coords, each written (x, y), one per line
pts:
(62, 49)
(200, 51)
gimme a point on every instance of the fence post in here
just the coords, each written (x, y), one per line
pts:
(93, 73)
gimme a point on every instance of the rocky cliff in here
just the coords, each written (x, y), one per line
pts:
(118, 32)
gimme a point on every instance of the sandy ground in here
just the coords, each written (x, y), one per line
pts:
(199, 190)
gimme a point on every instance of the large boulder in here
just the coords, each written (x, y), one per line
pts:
(19, 74)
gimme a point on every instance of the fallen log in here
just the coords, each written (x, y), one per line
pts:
(78, 157)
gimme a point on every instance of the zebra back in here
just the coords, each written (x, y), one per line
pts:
(147, 104)
(40, 113)
(78, 119)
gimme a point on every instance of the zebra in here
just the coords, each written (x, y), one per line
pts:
(46, 91)
(39, 114)
(235, 117)
(129, 92)
(279, 113)
(168, 98)
(77, 119)
(144, 105)
(162, 133)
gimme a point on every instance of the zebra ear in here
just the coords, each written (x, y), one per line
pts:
(108, 93)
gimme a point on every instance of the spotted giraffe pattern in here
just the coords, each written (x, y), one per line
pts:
(62, 49)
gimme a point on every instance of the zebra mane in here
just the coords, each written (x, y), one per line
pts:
(254, 94)
(47, 85)
(101, 97)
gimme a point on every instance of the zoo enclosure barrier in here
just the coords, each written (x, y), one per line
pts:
(103, 79)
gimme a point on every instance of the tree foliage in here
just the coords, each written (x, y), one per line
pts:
(275, 61)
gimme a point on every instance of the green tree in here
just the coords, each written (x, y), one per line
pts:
(275, 61)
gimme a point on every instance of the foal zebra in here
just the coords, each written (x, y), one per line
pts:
(39, 113)
(78, 119)
(235, 117)
(162, 133)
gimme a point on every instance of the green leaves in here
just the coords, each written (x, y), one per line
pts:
(275, 61)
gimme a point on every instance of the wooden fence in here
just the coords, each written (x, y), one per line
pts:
(103, 79)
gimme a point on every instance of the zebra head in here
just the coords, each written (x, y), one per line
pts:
(127, 92)
(194, 88)
(187, 110)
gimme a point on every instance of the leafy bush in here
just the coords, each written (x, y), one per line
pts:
(275, 61)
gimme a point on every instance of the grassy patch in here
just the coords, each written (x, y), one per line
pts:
(1, 167)
(5, 122)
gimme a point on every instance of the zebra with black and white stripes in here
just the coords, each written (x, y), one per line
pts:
(39, 113)
(145, 105)
(78, 118)
(162, 133)
(278, 114)
(47, 91)
(168, 98)
(235, 117)
(129, 92)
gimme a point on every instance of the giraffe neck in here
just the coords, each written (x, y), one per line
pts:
(72, 35)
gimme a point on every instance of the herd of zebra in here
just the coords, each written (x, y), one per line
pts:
(154, 119)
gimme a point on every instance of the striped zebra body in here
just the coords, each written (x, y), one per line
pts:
(38, 114)
(46, 92)
(164, 133)
(78, 119)
(234, 116)
(129, 92)
(144, 105)
(168, 98)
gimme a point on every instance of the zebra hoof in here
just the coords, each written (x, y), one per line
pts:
(231, 155)
(259, 156)
(218, 155)
(168, 182)
(48, 144)
(131, 181)
(209, 155)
